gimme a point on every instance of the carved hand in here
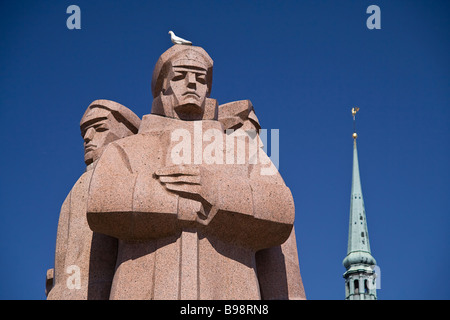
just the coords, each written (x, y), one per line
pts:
(190, 182)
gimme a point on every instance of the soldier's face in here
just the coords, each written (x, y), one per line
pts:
(189, 89)
(96, 135)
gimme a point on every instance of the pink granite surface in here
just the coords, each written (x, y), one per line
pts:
(182, 208)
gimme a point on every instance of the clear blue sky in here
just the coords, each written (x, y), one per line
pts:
(303, 64)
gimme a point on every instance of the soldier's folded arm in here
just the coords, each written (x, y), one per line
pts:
(113, 201)
(255, 211)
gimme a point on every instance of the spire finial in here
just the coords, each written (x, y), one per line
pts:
(354, 111)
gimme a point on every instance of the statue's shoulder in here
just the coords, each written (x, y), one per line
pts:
(237, 114)
(127, 143)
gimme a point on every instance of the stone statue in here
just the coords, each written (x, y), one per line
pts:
(189, 225)
(85, 260)
(184, 204)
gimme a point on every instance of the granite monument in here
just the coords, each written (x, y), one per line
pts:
(188, 206)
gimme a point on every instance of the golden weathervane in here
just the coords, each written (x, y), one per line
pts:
(354, 111)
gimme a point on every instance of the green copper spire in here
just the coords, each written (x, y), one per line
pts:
(359, 277)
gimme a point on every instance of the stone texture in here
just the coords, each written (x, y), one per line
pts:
(279, 273)
(85, 260)
(189, 207)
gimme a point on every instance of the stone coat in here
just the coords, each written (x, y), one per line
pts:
(167, 250)
(84, 259)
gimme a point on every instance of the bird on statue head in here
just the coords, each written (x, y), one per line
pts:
(178, 40)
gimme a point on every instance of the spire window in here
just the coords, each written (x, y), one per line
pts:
(366, 286)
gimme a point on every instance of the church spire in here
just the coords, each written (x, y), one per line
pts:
(359, 277)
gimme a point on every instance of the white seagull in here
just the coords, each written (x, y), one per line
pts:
(178, 40)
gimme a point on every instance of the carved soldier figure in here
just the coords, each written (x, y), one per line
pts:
(192, 230)
(85, 260)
